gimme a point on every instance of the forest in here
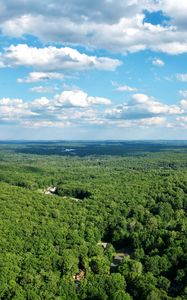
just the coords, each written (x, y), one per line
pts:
(93, 220)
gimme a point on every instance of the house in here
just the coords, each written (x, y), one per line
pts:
(79, 276)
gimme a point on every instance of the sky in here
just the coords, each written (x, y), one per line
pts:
(93, 70)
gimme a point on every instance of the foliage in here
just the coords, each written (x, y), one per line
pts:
(133, 198)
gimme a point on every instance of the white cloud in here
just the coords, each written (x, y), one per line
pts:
(142, 106)
(153, 121)
(43, 89)
(184, 119)
(154, 106)
(14, 109)
(170, 47)
(40, 102)
(158, 62)
(45, 123)
(41, 76)
(77, 108)
(99, 11)
(114, 25)
(87, 114)
(176, 10)
(183, 93)
(182, 122)
(52, 59)
(123, 88)
(70, 107)
(183, 104)
(78, 98)
(182, 77)
(147, 122)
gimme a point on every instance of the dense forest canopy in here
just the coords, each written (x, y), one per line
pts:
(95, 220)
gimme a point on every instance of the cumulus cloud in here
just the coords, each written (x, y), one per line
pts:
(142, 106)
(78, 98)
(170, 47)
(13, 109)
(114, 25)
(99, 11)
(176, 11)
(183, 104)
(52, 59)
(62, 106)
(158, 62)
(77, 108)
(41, 76)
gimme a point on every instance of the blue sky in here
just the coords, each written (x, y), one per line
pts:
(93, 70)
